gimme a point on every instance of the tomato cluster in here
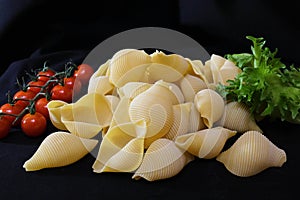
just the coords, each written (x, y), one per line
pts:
(27, 108)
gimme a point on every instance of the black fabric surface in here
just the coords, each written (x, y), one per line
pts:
(34, 31)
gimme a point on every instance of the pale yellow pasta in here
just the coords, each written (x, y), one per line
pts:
(59, 149)
(154, 106)
(196, 122)
(190, 85)
(206, 143)
(54, 108)
(121, 149)
(100, 85)
(87, 116)
(252, 153)
(237, 117)
(132, 89)
(181, 116)
(128, 65)
(163, 159)
(210, 105)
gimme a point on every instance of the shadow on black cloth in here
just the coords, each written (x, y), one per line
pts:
(35, 31)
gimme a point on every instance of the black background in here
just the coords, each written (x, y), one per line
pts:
(33, 31)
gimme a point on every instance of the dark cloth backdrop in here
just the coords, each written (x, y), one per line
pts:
(35, 31)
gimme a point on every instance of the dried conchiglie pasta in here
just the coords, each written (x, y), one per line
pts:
(251, 154)
(132, 89)
(128, 65)
(100, 85)
(190, 85)
(121, 149)
(154, 106)
(87, 116)
(195, 120)
(59, 149)
(54, 108)
(237, 116)
(211, 105)
(181, 116)
(206, 143)
(163, 159)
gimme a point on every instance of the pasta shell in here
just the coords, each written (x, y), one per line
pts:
(54, 108)
(169, 68)
(207, 143)
(59, 149)
(251, 154)
(132, 89)
(190, 85)
(237, 117)
(181, 115)
(121, 149)
(210, 105)
(195, 120)
(154, 106)
(128, 65)
(163, 159)
(100, 85)
(88, 116)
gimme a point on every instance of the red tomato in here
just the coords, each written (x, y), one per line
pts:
(73, 83)
(23, 97)
(35, 86)
(33, 125)
(14, 109)
(5, 126)
(84, 73)
(41, 107)
(60, 92)
(45, 75)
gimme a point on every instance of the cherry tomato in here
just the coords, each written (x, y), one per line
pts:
(73, 83)
(60, 92)
(35, 86)
(14, 109)
(33, 125)
(41, 107)
(84, 73)
(5, 126)
(23, 97)
(45, 75)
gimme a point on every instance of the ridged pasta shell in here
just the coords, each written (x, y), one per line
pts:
(222, 69)
(190, 85)
(128, 65)
(54, 108)
(206, 143)
(195, 121)
(100, 85)
(169, 68)
(251, 154)
(121, 149)
(59, 149)
(154, 106)
(163, 159)
(181, 116)
(87, 116)
(237, 117)
(196, 69)
(132, 89)
(211, 106)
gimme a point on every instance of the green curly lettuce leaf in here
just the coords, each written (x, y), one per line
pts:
(266, 85)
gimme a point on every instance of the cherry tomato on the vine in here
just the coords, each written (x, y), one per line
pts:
(34, 125)
(23, 97)
(5, 126)
(60, 92)
(14, 109)
(73, 83)
(45, 75)
(35, 86)
(41, 106)
(84, 73)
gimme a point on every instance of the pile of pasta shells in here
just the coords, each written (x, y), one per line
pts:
(151, 115)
